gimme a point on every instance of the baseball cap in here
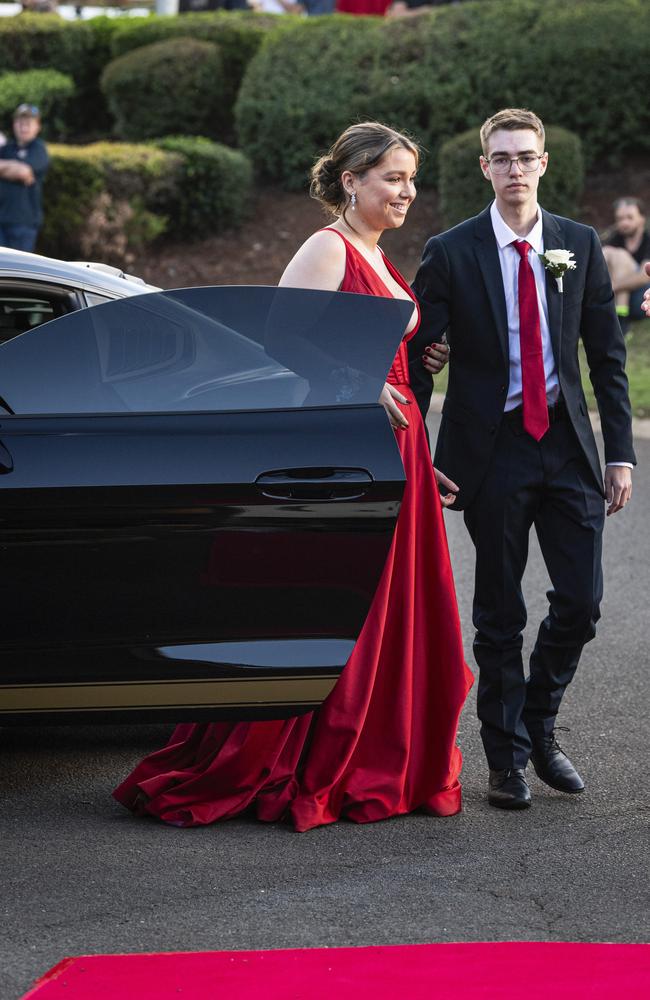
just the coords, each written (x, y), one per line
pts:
(27, 111)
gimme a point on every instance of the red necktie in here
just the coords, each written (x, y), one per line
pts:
(533, 378)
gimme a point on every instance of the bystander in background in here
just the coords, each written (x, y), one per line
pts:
(277, 6)
(315, 7)
(407, 8)
(23, 165)
(627, 250)
(375, 7)
(645, 305)
(40, 6)
(198, 6)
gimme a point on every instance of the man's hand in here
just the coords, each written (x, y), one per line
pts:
(25, 174)
(435, 358)
(645, 305)
(14, 170)
(618, 487)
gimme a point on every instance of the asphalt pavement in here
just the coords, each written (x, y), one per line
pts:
(79, 875)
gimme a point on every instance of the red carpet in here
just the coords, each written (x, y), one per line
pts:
(408, 972)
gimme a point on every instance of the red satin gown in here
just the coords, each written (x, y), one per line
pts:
(384, 742)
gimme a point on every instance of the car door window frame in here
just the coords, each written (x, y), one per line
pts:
(302, 368)
(70, 297)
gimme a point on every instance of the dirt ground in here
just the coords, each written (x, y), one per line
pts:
(259, 251)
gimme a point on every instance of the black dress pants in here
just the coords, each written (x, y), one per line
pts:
(547, 484)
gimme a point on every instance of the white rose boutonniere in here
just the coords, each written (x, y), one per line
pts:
(557, 262)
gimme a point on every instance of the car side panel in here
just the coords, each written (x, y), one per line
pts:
(189, 565)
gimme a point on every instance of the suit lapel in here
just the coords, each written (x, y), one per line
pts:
(487, 255)
(553, 241)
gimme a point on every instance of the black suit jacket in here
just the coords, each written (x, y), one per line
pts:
(460, 289)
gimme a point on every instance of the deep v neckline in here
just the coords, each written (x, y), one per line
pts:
(395, 274)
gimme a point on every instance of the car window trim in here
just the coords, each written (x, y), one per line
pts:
(44, 288)
(94, 281)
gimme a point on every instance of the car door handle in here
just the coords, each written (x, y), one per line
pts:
(314, 483)
(6, 461)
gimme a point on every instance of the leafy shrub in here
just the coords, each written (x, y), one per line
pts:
(50, 90)
(309, 80)
(79, 48)
(238, 35)
(576, 64)
(214, 187)
(464, 191)
(172, 86)
(107, 199)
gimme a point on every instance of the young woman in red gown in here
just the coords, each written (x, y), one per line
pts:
(384, 742)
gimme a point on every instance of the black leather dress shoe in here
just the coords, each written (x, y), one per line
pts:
(508, 789)
(553, 766)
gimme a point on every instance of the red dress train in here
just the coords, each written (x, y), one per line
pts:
(384, 742)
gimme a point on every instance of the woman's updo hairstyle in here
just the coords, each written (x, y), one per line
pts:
(358, 149)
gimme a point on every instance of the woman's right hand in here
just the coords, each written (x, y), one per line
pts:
(387, 399)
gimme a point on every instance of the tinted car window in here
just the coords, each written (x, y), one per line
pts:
(20, 312)
(205, 349)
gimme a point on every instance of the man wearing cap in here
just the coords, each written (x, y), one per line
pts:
(23, 165)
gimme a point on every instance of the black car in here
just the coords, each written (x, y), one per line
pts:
(198, 491)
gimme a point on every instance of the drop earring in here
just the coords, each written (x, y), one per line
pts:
(353, 201)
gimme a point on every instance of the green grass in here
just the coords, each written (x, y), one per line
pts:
(637, 367)
(638, 370)
(440, 382)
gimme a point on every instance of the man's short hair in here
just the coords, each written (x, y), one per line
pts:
(622, 202)
(511, 119)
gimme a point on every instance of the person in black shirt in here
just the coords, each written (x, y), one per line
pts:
(627, 250)
(23, 165)
(645, 305)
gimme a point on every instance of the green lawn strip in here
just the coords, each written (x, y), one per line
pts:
(637, 367)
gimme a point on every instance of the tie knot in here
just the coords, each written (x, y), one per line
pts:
(522, 248)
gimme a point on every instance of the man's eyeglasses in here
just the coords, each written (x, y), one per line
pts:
(528, 162)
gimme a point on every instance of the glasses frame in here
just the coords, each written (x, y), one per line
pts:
(515, 159)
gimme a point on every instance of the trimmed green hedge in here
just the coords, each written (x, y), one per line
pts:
(172, 86)
(309, 80)
(464, 191)
(107, 200)
(576, 64)
(84, 48)
(78, 48)
(50, 90)
(238, 35)
(214, 190)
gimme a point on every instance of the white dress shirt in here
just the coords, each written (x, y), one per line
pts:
(509, 260)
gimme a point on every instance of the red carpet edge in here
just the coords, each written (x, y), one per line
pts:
(503, 970)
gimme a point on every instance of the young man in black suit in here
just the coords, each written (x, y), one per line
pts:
(516, 436)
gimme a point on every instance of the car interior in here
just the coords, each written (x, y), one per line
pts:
(25, 305)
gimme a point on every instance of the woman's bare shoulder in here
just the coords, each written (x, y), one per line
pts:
(319, 263)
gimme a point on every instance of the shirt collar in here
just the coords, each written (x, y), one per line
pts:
(505, 236)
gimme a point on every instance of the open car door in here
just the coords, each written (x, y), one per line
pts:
(198, 491)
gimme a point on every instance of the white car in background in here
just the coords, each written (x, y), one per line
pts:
(35, 289)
